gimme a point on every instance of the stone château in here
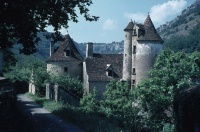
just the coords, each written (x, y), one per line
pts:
(142, 44)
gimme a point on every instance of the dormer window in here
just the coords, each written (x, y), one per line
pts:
(67, 51)
(109, 70)
(110, 73)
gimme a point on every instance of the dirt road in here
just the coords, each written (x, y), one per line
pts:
(38, 119)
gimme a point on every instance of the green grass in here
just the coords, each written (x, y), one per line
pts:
(89, 122)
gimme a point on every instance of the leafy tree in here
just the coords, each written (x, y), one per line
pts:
(172, 73)
(118, 98)
(118, 104)
(23, 69)
(20, 20)
(40, 76)
(89, 102)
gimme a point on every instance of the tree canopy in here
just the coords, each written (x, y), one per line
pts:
(171, 74)
(20, 20)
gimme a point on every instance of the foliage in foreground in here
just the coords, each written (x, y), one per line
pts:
(150, 106)
(22, 20)
(172, 73)
(28, 69)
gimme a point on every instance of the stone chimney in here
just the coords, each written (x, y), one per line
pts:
(89, 50)
(51, 47)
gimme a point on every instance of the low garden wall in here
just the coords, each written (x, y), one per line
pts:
(58, 93)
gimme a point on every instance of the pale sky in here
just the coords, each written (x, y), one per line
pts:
(116, 14)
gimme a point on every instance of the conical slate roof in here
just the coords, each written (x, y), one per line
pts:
(150, 31)
(129, 26)
(59, 55)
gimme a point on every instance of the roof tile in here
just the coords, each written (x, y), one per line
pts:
(96, 66)
(150, 32)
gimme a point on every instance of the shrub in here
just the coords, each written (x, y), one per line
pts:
(68, 83)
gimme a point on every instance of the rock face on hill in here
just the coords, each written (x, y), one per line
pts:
(182, 24)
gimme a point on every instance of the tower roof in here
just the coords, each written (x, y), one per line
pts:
(129, 26)
(150, 31)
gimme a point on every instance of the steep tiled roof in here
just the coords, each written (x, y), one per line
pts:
(59, 55)
(96, 66)
(150, 31)
(129, 26)
(141, 26)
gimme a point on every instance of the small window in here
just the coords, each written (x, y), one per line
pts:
(110, 73)
(134, 49)
(133, 82)
(134, 71)
(65, 69)
(67, 52)
(125, 55)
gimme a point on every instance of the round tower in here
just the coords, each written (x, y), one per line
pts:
(148, 46)
(127, 59)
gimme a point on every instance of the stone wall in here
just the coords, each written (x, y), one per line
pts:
(85, 80)
(58, 93)
(146, 54)
(74, 68)
(127, 59)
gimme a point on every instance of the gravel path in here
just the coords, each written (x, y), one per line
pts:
(40, 119)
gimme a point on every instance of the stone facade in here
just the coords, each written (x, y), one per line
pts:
(127, 61)
(144, 59)
(74, 68)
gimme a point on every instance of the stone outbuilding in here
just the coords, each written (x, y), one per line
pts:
(66, 59)
(99, 70)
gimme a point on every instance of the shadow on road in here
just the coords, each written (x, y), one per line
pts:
(33, 118)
